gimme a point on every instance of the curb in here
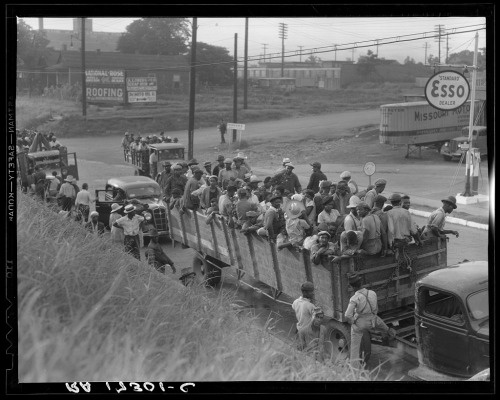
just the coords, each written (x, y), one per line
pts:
(452, 220)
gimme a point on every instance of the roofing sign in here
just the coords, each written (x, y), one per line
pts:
(142, 89)
(105, 85)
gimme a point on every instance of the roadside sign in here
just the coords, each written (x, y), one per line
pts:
(447, 90)
(239, 127)
(369, 170)
(142, 97)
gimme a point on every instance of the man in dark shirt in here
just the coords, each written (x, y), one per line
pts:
(316, 177)
(39, 182)
(288, 180)
(219, 166)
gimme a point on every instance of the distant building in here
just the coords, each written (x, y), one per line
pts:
(70, 40)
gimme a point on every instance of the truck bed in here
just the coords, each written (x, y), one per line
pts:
(286, 270)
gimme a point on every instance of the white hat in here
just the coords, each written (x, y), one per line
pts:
(288, 165)
(241, 155)
(69, 178)
(94, 213)
(298, 197)
(254, 179)
(345, 174)
(294, 208)
(115, 207)
(286, 160)
(353, 202)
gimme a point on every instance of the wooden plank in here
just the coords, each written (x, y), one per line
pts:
(229, 244)
(292, 271)
(323, 289)
(252, 256)
(198, 234)
(234, 237)
(264, 260)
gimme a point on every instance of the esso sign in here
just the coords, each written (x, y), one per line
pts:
(447, 90)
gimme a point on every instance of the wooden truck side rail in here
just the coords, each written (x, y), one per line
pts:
(285, 270)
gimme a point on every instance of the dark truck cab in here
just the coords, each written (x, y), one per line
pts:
(459, 145)
(452, 322)
(143, 189)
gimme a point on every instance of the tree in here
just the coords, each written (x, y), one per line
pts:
(409, 60)
(313, 59)
(431, 60)
(466, 57)
(213, 64)
(370, 57)
(165, 36)
(31, 44)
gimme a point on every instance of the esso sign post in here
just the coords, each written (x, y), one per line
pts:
(447, 90)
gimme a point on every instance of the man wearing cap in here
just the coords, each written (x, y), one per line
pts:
(240, 169)
(208, 168)
(82, 202)
(362, 313)
(164, 175)
(94, 225)
(143, 146)
(304, 305)
(371, 194)
(362, 193)
(329, 215)
(316, 177)
(210, 192)
(156, 256)
(374, 234)
(116, 213)
(437, 219)
(274, 219)
(322, 248)
(352, 221)
(243, 206)
(219, 167)
(400, 226)
(377, 209)
(125, 145)
(136, 145)
(226, 204)
(226, 174)
(188, 200)
(131, 225)
(176, 181)
(288, 180)
(286, 160)
(311, 338)
(324, 189)
(341, 198)
(346, 177)
(67, 193)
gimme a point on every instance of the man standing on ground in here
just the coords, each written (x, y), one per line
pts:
(156, 256)
(437, 219)
(311, 338)
(304, 305)
(361, 313)
(131, 225)
(82, 202)
(67, 193)
(222, 129)
(39, 182)
(316, 177)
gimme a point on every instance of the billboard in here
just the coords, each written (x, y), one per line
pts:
(142, 97)
(141, 89)
(105, 85)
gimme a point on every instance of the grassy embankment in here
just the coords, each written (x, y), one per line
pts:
(89, 312)
(171, 111)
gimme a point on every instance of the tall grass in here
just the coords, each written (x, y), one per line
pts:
(89, 312)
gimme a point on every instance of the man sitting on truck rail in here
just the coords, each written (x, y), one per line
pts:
(274, 219)
(311, 338)
(322, 248)
(304, 305)
(243, 206)
(176, 181)
(361, 313)
(401, 227)
(437, 219)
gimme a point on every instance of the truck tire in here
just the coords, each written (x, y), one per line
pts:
(338, 341)
(206, 274)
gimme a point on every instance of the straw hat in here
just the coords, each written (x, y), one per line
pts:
(129, 208)
(115, 207)
(294, 208)
(69, 178)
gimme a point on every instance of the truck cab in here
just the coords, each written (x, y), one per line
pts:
(173, 152)
(452, 322)
(459, 145)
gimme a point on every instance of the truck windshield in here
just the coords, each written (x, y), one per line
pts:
(171, 154)
(478, 304)
(142, 192)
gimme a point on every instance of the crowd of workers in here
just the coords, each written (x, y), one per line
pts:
(25, 138)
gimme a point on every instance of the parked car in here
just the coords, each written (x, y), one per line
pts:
(459, 145)
(452, 322)
(142, 188)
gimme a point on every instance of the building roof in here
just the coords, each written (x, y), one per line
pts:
(94, 59)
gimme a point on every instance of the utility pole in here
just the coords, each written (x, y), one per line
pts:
(335, 51)
(84, 78)
(439, 29)
(282, 35)
(192, 89)
(377, 48)
(235, 85)
(352, 57)
(245, 72)
(300, 53)
(425, 59)
(447, 48)
(265, 45)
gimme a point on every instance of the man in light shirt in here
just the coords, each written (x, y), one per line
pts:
(82, 202)
(131, 225)
(304, 305)
(401, 228)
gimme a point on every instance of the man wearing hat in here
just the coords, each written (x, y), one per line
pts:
(437, 219)
(288, 179)
(143, 146)
(286, 160)
(131, 224)
(164, 175)
(400, 225)
(115, 214)
(296, 223)
(55, 144)
(324, 189)
(136, 145)
(274, 219)
(191, 163)
(362, 313)
(304, 305)
(341, 198)
(322, 248)
(210, 192)
(125, 145)
(226, 204)
(219, 167)
(362, 193)
(176, 181)
(371, 194)
(226, 174)
(82, 202)
(190, 201)
(239, 168)
(94, 225)
(374, 234)
(316, 177)
(377, 209)
(329, 215)
(67, 193)
(311, 338)
(353, 186)
(352, 221)
(243, 206)
(156, 256)
(208, 168)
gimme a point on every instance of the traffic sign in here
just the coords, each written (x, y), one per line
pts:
(369, 168)
(447, 90)
(239, 127)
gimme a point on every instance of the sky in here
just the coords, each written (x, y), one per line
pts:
(410, 37)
